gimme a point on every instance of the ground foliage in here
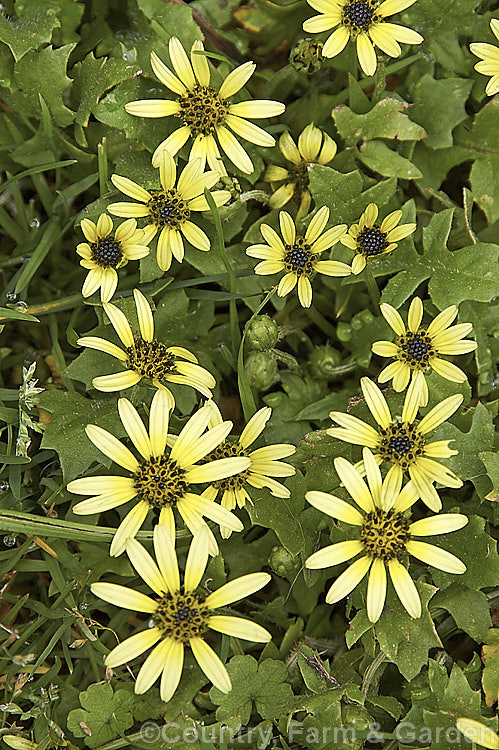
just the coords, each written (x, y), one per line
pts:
(426, 142)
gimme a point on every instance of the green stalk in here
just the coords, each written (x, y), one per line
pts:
(26, 523)
(235, 333)
(372, 288)
(102, 162)
(379, 80)
(245, 392)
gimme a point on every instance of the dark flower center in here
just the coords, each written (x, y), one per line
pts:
(385, 534)
(151, 359)
(359, 15)
(299, 258)
(106, 252)
(300, 175)
(160, 482)
(371, 241)
(181, 616)
(203, 110)
(229, 450)
(401, 443)
(415, 349)
(167, 209)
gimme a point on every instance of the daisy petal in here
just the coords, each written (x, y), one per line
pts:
(348, 580)
(210, 664)
(405, 588)
(436, 557)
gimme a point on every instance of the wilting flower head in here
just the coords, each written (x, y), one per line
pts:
(169, 210)
(314, 147)
(103, 254)
(299, 256)
(364, 22)
(417, 349)
(205, 112)
(181, 614)
(146, 357)
(489, 64)
(475, 731)
(161, 478)
(402, 441)
(264, 463)
(385, 536)
(370, 240)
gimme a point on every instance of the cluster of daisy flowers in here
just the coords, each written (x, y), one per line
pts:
(196, 481)
(399, 466)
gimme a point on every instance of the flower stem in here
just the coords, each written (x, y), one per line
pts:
(379, 80)
(372, 288)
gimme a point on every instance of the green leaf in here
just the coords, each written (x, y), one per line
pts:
(28, 31)
(469, 609)
(480, 437)
(71, 413)
(281, 514)
(490, 677)
(342, 193)
(387, 119)
(439, 108)
(51, 85)
(478, 552)
(402, 639)
(105, 714)
(92, 78)
(465, 274)
(381, 159)
(440, 30)
(457, 699)
(481, 144)
(264, 685)
(8, 313)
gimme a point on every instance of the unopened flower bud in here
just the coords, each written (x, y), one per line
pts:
(262, 333)
(306, 56)
(261, 370)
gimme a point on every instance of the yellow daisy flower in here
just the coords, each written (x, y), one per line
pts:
(264, 464)
(364, 22)
(475, 731)
(385, 536)
(205, 112)
(370, 240)
(299, 256)
(181, 614)
(417, 349)
(102, 255)
(402, 441)
(161, 478)
(489, 64)
(146, 357)
(314, 147)
(168, 211)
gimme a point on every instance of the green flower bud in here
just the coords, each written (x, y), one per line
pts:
(306, 56)
(323, 362)
(262, 333)
(261, 370)
(283, 563)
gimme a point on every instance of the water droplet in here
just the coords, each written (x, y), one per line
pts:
(4, 486)
(34, 223)
(150, 624)
(9, 540)
(11, 297)
(21, 306)
(83, 606)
